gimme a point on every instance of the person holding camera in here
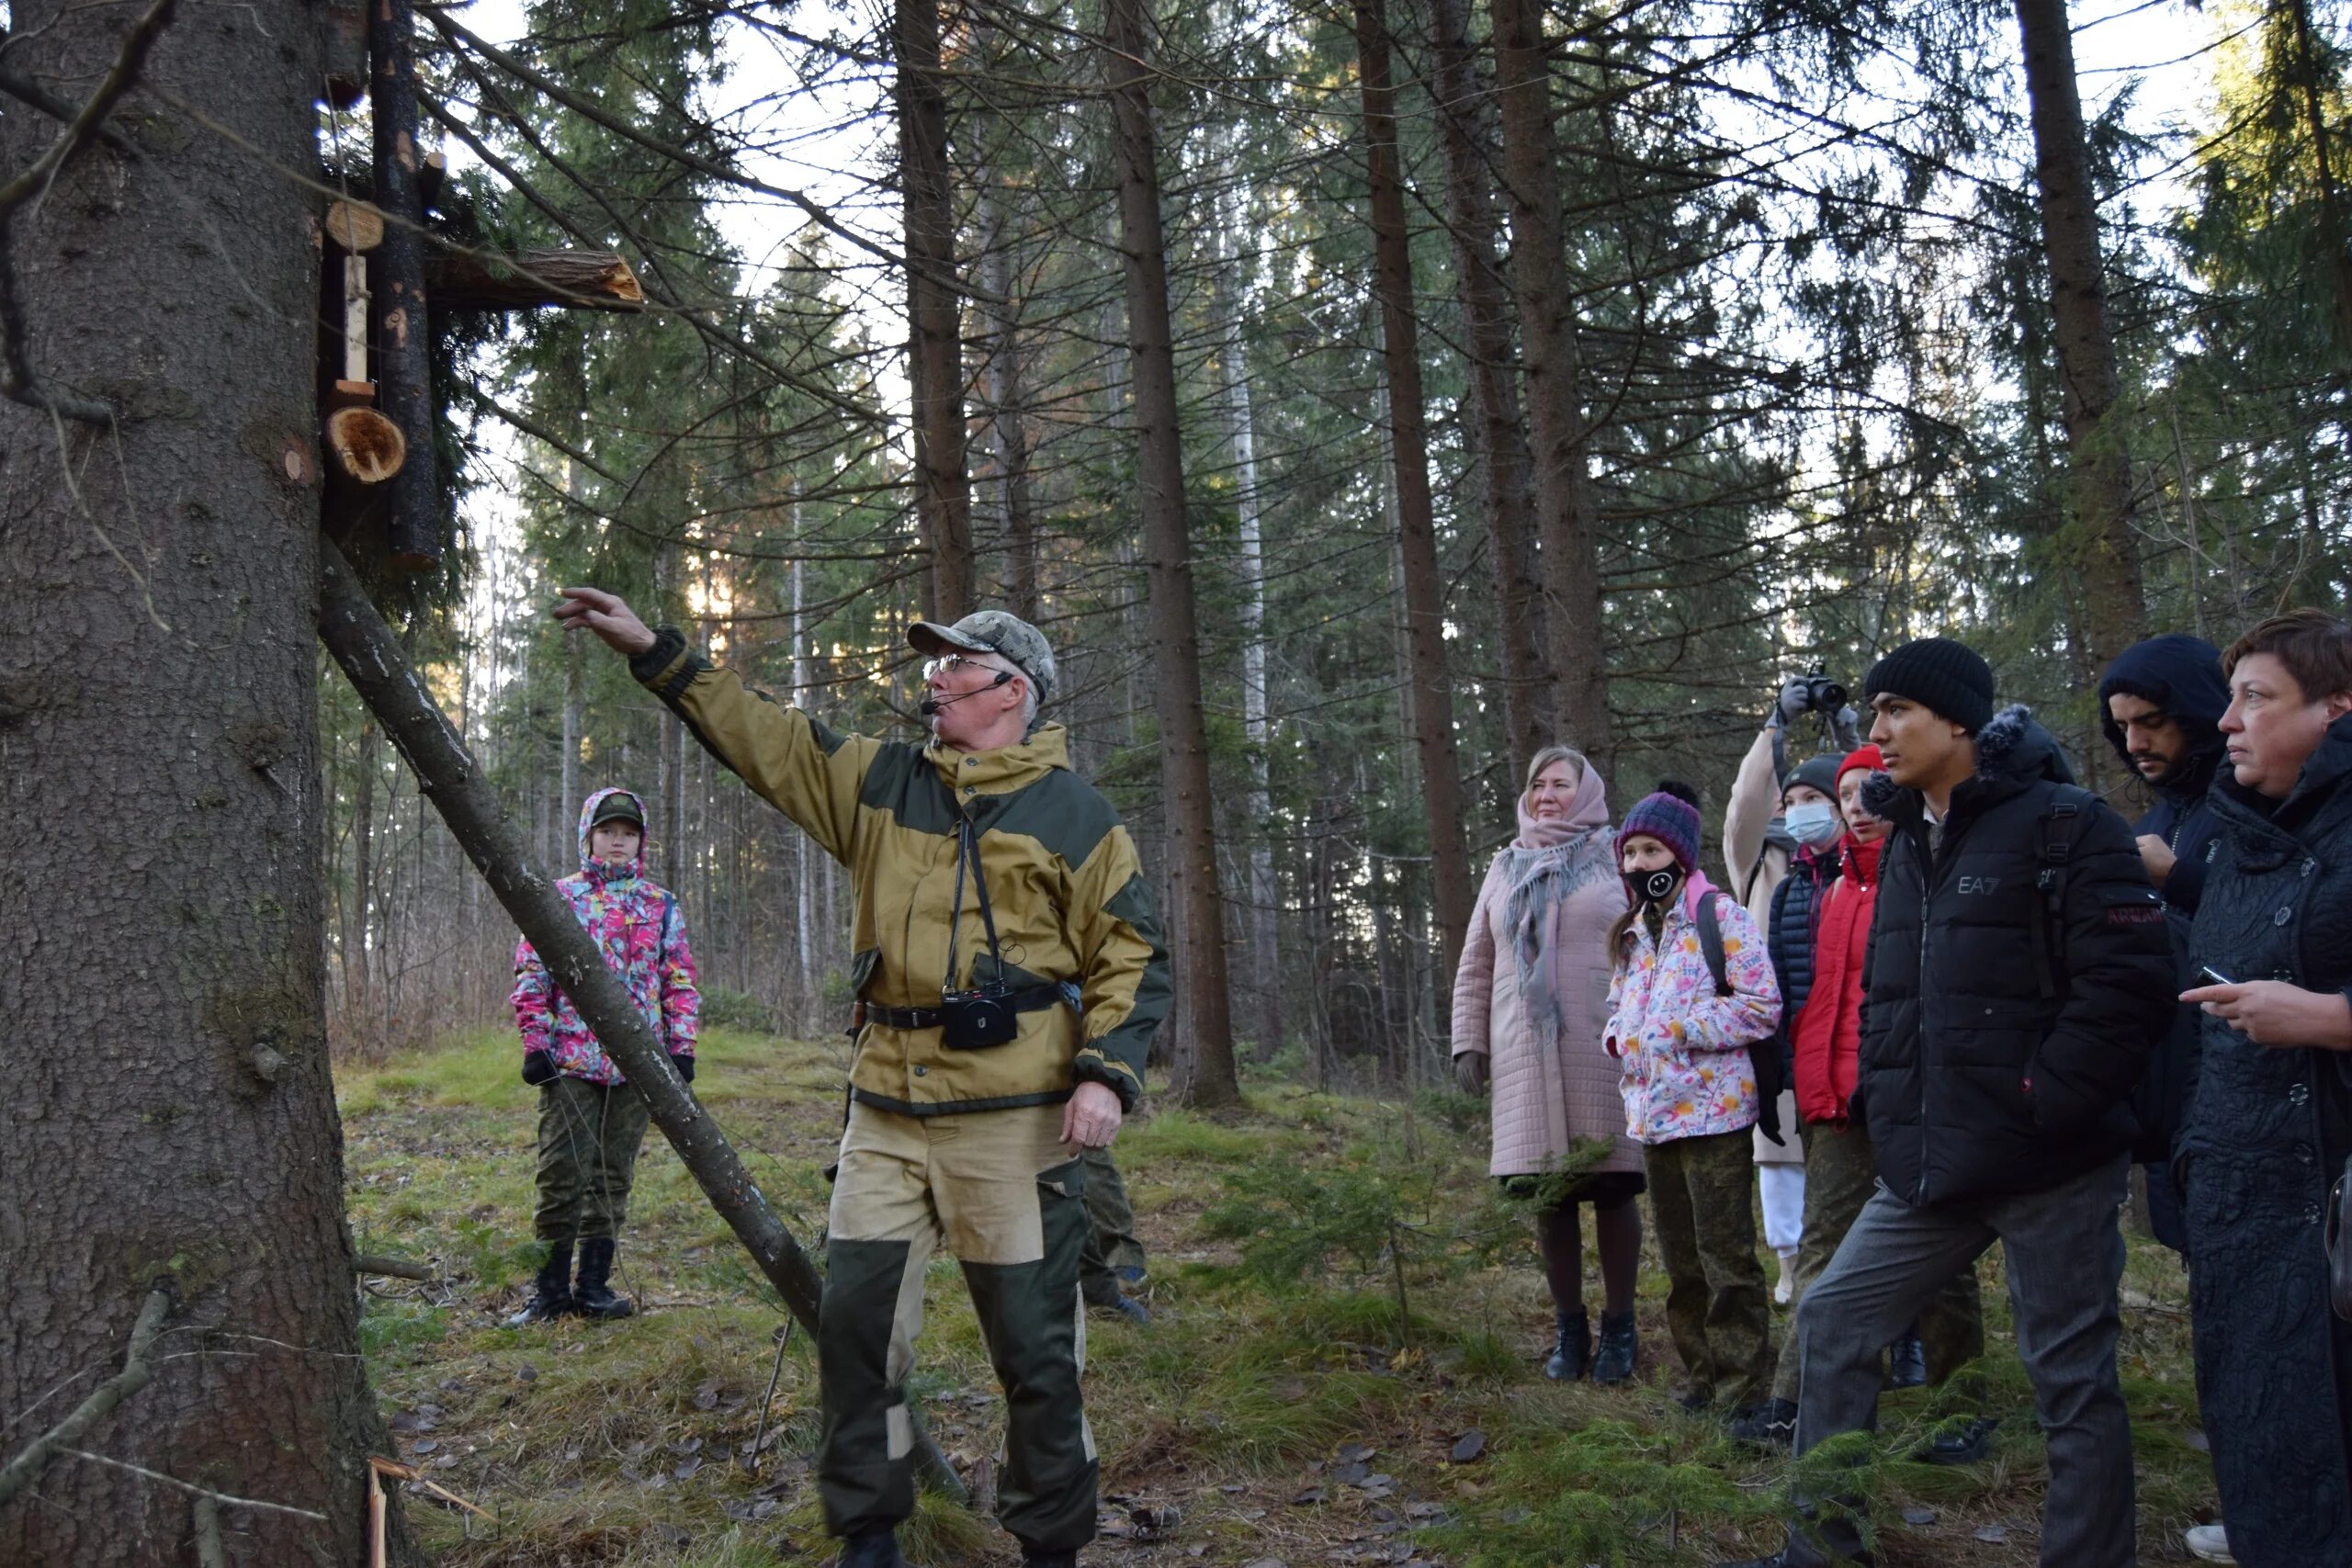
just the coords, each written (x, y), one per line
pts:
(988, 874)
(1782, 819)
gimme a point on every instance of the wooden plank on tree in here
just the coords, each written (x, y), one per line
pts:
(530, 280)
(447, 775)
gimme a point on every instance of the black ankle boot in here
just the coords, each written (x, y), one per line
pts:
(872, 1549)
(1572, 1349)
(594, 1294)
(550, 1292)
(1613, 1361)
(1906, 1363)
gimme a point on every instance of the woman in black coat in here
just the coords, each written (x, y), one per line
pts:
(2272, 1123)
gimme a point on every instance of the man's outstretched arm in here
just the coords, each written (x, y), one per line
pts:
(799, 766)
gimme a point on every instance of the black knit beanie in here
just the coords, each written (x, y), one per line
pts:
(1948, 677)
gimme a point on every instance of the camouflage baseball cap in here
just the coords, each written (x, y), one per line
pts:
(991, 631)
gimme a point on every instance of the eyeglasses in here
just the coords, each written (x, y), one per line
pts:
(934, 668)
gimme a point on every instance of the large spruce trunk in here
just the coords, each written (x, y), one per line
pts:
(1204, 1073)
(935, 350)
(1431, 694)
(1548, 356)
(170, 1115)
(2099, 547)
(1496, 436)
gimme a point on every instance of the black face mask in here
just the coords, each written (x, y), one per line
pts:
(1657, 886)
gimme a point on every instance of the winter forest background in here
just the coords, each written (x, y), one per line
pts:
(1801, 387)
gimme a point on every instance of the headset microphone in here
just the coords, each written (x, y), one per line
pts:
(929, 707)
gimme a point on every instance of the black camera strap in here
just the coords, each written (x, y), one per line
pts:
(968, 847)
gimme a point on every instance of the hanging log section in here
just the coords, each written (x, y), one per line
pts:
(403, 373)
(447, 775)
(535, 279)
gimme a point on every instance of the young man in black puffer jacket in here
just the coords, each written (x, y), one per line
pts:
(2018, 971)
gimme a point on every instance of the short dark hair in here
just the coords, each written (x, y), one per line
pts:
(2314, 646)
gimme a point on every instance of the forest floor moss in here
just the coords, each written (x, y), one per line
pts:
(1284, 1407)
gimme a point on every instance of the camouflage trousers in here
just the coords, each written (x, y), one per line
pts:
(1840, 1173)
(997, 1189)
(589, 1135)
(1702, 1211)
(1111, 1243)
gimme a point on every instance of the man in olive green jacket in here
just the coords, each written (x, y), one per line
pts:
(987, 874)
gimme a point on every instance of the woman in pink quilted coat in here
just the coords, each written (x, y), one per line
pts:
(1528, 1005)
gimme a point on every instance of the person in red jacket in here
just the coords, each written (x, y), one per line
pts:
(1825, 1038)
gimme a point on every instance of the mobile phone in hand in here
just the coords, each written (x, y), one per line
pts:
(2209, 975)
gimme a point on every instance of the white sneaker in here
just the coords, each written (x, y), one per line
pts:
(1787, 1286)
(2208, 1543)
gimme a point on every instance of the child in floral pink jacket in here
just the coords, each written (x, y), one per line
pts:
(1689, 1091)
(591, 1122)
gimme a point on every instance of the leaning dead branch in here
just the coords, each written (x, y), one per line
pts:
(137, 1369)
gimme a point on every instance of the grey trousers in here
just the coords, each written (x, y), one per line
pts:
(2065, 1252)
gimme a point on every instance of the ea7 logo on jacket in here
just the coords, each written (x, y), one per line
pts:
(1973, 886)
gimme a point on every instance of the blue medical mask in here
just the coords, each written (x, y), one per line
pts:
(1813, 822)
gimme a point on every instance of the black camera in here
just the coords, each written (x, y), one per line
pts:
(1822, 694)
(978, 1019)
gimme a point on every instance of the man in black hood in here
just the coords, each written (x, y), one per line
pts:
(2160, 705)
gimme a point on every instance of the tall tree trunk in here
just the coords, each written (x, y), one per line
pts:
(1007, 412)
(356, 988)
(2101, 549)
(935, 354)
(1547, 331)
(1257, 727)
(1431, 686)
(1204, 1072)
(567, 759)
(1497, 439)
(172, 1149)
(2334, 238)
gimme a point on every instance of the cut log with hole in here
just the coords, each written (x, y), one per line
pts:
(536, 280)
(431, 177)
(355, 227)
(363, 446)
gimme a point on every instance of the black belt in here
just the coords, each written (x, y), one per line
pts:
(1029, 998)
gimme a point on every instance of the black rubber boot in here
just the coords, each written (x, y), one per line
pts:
(1906, 1363)
(1572, 1350)
(1771, 1425)
(1970, 1442)
(1613, 1361)
(594, 1294)
(872, 1549)
(550, 1292)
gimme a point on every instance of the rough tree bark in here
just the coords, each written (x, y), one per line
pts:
(1204, 1073)
(1496, 439)
(2100, 545)
(1548, 357)
(1431, 688)
(446, 774)
(171, 1117)
(935, 351)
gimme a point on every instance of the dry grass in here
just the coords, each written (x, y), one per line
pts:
(628, 1443)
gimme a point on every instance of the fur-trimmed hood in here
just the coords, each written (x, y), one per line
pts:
(2012, 751)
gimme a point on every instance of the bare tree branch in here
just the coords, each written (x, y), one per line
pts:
(136, 1371)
